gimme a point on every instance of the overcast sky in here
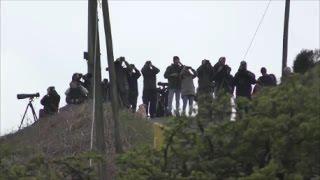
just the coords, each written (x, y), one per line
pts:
(42, 42)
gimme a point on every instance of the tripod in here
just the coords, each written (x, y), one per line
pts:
(35, 118)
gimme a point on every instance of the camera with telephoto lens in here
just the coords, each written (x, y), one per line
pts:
(30, 96)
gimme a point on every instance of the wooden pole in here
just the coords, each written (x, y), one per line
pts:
(112, 75)
(94, 57)
(285, 35)
(92, 9)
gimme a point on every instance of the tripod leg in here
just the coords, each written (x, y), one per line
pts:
(34, 113)
(24, 115)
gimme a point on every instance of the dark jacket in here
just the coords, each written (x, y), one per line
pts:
(133, 80)
(122, 76)
(149, 77)
(174, 81)
(51, 102)
(267, 80)
(205, 76)
(227, 84)
(243, 80)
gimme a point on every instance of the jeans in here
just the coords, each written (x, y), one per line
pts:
(185, 100)
(177, 93)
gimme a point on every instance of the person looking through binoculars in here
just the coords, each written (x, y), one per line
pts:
(50, 102)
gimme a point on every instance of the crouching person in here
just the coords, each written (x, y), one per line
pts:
(50, 103)
(76, 93)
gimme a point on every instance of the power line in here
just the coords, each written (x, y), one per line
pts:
(255, 33)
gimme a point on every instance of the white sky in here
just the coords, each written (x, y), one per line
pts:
(42, 42)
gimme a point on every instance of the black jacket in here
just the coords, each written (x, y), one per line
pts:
(122, 76)
(133, 80)
(267, 80)
(174, 81)
(149, 77)
(205, 76)
(243, 80)
(51, 102)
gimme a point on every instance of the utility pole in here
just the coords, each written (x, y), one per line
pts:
(112, 75)
(285, 35)
(94, 58)
(91, 24)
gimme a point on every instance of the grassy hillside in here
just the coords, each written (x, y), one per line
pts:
(67, 134)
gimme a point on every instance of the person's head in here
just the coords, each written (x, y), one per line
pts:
(122, 59)
(243, 65)
(176, 60)
(131, 67)
(263, 71)
(287, 71)
(87, 76)
(222, 60)
(105, 81)
(76, 77)
(148, 63)
(51, 90)
(205, 62)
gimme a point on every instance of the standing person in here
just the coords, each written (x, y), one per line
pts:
(122, 80)
(219, 73)
(243, 80)
(173, 75)
(76, 93)
(188, 91)
(50, 102)
(205, 76)
(133, 76)
(267, 79)
(149, 96)
(105, 85)
(226, 83)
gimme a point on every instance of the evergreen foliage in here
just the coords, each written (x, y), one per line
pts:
(305, 60)
(276, 137)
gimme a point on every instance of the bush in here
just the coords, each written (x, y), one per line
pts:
(278, 137)
(305, 60)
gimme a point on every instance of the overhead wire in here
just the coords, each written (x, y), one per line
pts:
(257, 29)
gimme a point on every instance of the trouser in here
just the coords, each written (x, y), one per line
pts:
(185, 100)
(124, 94)
(133, 97)
(177, 93)
(149, 99)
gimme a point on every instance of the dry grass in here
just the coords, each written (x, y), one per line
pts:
(68, 133)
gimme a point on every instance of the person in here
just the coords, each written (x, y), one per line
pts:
(76, 93)
(133, 76)
(172, 73)
(205, 78)
(105, 90)
(87, 78)
(226, 81)
(50, 102)
(266, 79)
(149, 96)
(188, 91)
(122, 80)
(243, 80)
(287, 74)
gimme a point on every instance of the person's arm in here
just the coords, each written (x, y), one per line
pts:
(67, 92)
(84, 90)
(194, 73)
(155, 69)
(137, 73)
(167, 73)
(44, 100)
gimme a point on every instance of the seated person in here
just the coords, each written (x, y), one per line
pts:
(50, 102)
(76, 94)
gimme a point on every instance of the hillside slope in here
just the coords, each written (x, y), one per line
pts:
(68, 133)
